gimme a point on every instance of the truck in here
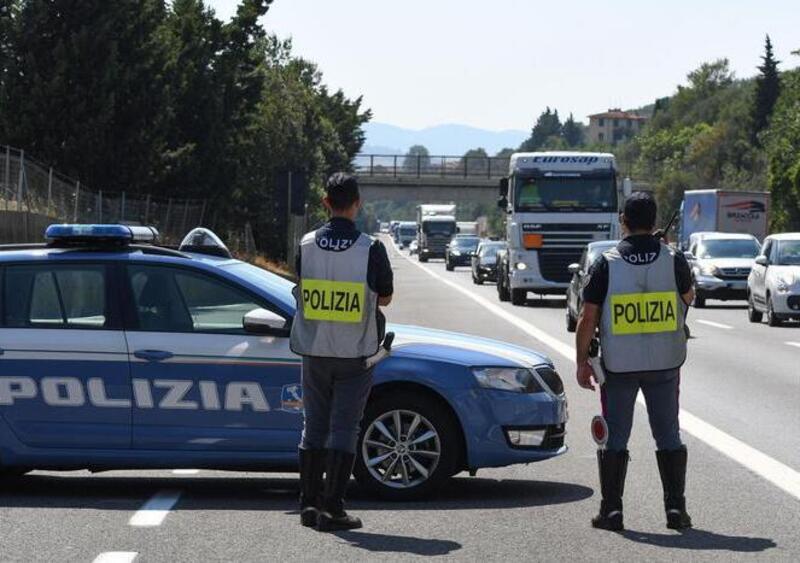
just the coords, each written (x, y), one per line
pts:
(436, 225)
(724, 211)
(406, 232)
(556, 203)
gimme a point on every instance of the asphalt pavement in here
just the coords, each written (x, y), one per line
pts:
(740, 395)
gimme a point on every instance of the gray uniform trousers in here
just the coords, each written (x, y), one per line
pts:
(335, 392)
(660, 390)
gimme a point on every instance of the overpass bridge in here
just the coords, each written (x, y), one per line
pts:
(430, 179)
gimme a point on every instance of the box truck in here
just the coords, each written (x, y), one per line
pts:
(724, 211)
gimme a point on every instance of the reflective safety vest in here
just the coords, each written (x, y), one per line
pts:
(642, 322)
(336, 309)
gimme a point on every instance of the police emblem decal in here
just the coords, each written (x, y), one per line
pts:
(292, 398)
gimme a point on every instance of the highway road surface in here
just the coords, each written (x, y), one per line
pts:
(740, 399)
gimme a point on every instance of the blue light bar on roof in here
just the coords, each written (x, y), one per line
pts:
(120, 234)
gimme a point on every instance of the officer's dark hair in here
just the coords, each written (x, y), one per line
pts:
(639, 213)
(342, 191)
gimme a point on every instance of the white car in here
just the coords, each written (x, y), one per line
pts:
(773, 287)
(721, 263)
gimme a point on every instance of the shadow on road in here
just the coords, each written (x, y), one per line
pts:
(721, 306)
(280, 494)
(701, 540)
(383, 543)
(545, 303)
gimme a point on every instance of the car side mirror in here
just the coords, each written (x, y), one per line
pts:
(574, 268)
(266, 323)
(688, 255)
(762, 261)
(504, 188)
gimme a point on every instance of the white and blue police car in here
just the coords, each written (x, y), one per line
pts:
(116, 353)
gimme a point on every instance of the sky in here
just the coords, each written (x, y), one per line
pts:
(497, 64)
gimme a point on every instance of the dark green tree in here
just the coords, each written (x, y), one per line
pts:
(475, 162)
(768, 87)
(417, 157)
(547, 126)
(572, 131)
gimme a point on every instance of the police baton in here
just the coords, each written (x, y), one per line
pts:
(382, 353)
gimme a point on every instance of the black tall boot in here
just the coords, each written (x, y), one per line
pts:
(672, 467)
(337, 474)
(312, 465)
(613, 466)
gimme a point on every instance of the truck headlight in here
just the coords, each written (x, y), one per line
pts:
(521, 265)
(516, 380)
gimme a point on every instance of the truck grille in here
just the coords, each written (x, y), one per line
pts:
(553, 263)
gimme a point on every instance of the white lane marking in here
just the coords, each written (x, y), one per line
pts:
(116, 557)
(795, 344)
(153, 512)
(714, 324)
(772, 470)
(185, 471)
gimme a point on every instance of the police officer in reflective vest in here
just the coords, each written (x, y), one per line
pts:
(638, 294)
(345, 276)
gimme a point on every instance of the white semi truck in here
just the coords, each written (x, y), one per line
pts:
(557, 203)
(436, 225)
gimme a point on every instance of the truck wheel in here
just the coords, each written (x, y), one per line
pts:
(518, 296)
(772, 318)
(753, 314)
(408, 447)
(572, 322)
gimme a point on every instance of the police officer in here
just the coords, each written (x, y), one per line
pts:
(345, 276)
(638, 294)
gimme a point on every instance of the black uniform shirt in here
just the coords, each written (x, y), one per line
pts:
(380, 277)
(645, 250)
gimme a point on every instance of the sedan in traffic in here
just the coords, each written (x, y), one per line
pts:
(484, 262)
(579, 271)
(773, 288)
(721, 263)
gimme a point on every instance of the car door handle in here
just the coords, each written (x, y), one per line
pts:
(153, 355)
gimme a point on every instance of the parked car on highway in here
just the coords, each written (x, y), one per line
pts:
(721, 263)
(119, 354)
(484, 262)
(460, 251)
(773, 287)
(579, 271)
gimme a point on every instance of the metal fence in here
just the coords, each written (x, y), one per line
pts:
(417, 166)
(31, 192)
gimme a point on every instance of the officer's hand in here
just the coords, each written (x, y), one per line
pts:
(585, 375)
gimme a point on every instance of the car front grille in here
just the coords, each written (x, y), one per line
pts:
(551, 379)
(734, 273)
(554, 438)
(553, 263)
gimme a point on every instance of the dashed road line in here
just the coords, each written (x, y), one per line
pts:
(714, 324)
(795, 344)
(116, 557)
(777, 473)
(185, 471)
(155, 510)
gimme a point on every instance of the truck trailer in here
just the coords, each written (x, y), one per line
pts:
(724, 211)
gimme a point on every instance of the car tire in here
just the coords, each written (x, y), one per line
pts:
(518, 296)
(772, 318)
(572, 322)
(446, 442)
(753, 314)
(448, 266)
(699, 301)
(477, 280)
(502, 289)
(423, 258)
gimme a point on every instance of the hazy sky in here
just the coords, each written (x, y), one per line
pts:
(496, 64)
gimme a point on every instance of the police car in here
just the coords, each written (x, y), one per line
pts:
(116, 353)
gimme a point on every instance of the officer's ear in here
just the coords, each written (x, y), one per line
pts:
(326, 203)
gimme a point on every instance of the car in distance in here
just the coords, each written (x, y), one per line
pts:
(721, 263)
(119, 354)
(579, 271)
(773, 287)
(413, 247)
(406, 232)
(484, 262)
(460, 251)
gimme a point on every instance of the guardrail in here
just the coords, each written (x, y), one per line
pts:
(430, 166)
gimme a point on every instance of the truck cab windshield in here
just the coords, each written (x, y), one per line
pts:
(438, 228)
(554, 193)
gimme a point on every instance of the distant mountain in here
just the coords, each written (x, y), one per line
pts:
(449, 139)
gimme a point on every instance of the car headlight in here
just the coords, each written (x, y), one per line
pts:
(521, 265)
(516, 380)
(784, 284)
(455, 253)
(709, 270)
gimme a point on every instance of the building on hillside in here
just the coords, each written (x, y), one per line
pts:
(614, 126)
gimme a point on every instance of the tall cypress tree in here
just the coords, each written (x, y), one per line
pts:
(768, 86)
(572, 132)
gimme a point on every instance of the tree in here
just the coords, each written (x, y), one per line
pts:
(572, 131)
(475, 162)
(768, 84)
(547, 127)
(417, 158)
(782, 141)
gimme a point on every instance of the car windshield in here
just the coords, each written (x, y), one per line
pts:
(788, 253)
(465, 243)
(596, 251)
(439, 228)
(728, 248)
(565, 194)
(490, 250)
(408, 231)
